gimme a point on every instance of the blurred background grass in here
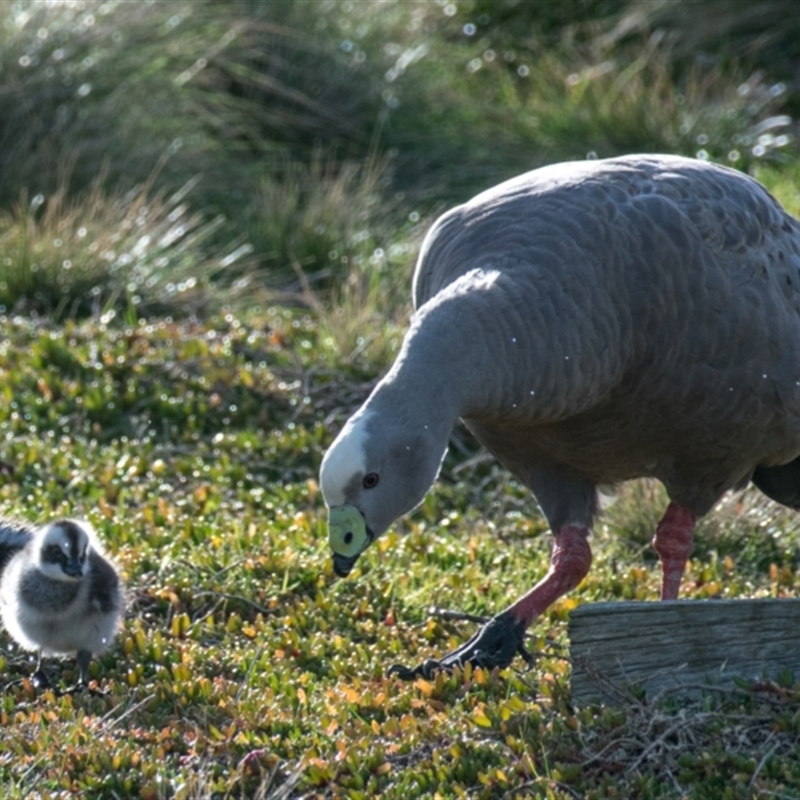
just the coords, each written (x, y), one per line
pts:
(295, 145)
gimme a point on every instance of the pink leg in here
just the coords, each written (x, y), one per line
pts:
(673, 543)
(569, 564)
(502, 638)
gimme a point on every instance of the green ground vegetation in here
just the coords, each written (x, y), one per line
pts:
(209, 214)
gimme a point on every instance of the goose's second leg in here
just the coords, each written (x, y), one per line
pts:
(496, 644)
(673, 543)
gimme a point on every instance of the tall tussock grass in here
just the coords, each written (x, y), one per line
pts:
(763, 34)
(349, 250)
(620, 106)
(323, 217)
(140, 251)
(414, 105)
(214, 86)
(476, 92)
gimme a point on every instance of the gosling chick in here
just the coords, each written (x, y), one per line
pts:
(59, 593)
(14, 535)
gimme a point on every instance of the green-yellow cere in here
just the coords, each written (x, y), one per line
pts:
(347, 531)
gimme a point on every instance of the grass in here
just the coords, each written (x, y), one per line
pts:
(142, 251)
(244, 666)
(193, 302)
(404, 106)
(326, 218)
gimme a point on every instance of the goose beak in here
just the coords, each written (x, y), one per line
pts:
(348, 537)
(342, 565)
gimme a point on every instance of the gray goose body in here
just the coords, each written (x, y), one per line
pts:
(592, 322)
(644, 300)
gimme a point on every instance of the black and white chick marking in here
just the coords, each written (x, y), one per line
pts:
(59, 593)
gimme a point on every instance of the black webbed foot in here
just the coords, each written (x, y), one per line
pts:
(494, 645)
(84, 658)
(80, 688)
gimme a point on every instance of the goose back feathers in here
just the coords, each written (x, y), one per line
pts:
(644, 321)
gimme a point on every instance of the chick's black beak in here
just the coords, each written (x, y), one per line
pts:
(73, 568)
(343, 565)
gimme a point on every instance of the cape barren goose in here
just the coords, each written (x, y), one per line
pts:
(590, 322)
(59, 594)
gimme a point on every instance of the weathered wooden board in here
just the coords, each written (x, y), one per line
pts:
(679, 645)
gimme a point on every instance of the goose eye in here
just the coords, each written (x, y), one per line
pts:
(370, 480)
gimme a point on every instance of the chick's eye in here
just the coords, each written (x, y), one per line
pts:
(370, 480)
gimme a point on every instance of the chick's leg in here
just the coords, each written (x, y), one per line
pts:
(496, 644)
(83, 658)
(39, 678)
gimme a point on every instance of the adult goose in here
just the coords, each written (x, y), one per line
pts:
(590, 322)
